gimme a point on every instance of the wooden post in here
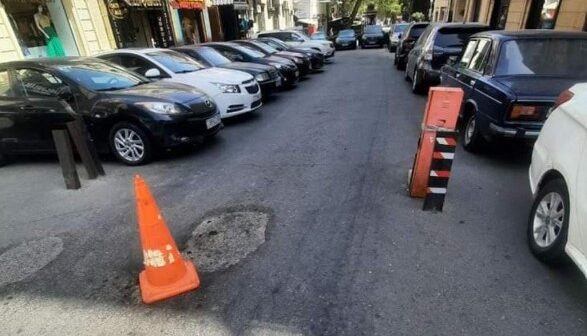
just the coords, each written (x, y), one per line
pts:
(85, 148)
(66, 160)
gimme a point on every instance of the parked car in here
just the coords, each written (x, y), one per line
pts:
(298, 39)
(319, 36)
(395, 34)
(301, 60)
(557, 224)
(406, 43)
(512, 79)
(266, 75)
(346, 39)
(234, 92)
(438, 42)
(238, 53)
(316, 57)
(372, 36)
(125, 113)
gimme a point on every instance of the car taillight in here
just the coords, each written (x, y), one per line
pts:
(526, 112)
(564, 97)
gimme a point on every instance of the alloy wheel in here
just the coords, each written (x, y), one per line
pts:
(470, 130)
(129, 144)
(548, 219)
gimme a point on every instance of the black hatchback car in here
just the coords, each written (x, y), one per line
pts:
(266, 75)
(238, 53)
(407, 39)
(372, 36)
(125, 114)
(438, 42)
(316, 57)
(511, 81)
(301, 60)
(345, 39)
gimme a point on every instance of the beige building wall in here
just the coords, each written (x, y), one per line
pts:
(571, 15)
(9, 49)
(517, 14)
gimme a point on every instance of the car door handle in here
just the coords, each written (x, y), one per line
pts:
(33, 108)
(26, 107)
(472, 82)
(458, 75)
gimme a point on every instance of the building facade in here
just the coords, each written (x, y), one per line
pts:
(515, 14)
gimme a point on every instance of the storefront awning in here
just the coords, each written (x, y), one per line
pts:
(187, 4)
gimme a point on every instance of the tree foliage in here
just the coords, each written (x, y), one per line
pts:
(418, 16)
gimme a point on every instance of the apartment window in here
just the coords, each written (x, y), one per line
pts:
(542, 14)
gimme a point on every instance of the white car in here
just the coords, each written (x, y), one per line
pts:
(234, 92)
(298, 39)
(558, 179)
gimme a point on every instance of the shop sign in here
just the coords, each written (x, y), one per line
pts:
(187, 4)
(144, 3)
(115, 10)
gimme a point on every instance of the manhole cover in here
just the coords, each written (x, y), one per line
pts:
(20, 262)
(221, 241)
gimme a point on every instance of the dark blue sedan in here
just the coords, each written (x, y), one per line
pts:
(512, 79)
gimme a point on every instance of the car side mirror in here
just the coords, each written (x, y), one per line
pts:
(452, 60)
(153, 73)
(65, 93)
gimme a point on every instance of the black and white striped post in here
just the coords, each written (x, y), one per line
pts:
(442, 158)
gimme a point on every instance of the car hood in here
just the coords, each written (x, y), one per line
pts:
(219, 75)
(247, 67)
(373, 35)
(290, 54)
(175, 92)
(537, 87)
(278, 59)
(345, 38)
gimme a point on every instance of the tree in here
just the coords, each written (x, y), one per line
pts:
(418, 16)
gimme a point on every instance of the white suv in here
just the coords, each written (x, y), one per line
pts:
(298, 39)
(234, 92)
(558, 179)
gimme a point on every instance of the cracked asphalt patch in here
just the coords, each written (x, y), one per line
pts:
(22, 261)
(222, 240)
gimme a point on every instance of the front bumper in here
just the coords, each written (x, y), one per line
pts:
(269, 86)
(345, 45)
(183, 130)
(329, 53)
(233, 104)
(289, 76)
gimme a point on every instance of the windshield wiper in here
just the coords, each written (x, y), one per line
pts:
(186, 71)
(114, 88)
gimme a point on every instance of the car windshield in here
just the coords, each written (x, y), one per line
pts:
(373, 29)
(248, 51)
(546, 57)
(318, 36)
(100, 76)
(275, 44)
(346, 33)
(454, 37)
(211, 55)
(176, 62)
(266, 48)
(399, 28)
(303, 36)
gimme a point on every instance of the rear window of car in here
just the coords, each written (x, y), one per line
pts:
(416, 31)
(399, 28)
(373, 29)
(543, 57)
(455, 37)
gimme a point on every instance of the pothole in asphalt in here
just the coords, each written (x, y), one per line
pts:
(22, 261)
(224, 239)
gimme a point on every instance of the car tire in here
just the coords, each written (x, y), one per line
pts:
(418, 87)
(3, 160)
(548, 223)
(400, 65)
(130, 144)
(472, 139)
(406, 75)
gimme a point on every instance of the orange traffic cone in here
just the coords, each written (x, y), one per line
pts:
(166, 274)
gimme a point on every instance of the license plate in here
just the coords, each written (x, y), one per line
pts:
(297, 73)
(278, 83)
(215, 120)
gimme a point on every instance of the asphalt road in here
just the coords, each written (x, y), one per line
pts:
(346, 251)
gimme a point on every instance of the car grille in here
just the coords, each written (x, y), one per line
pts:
(274, 74)
(235, 108)
(252, 88)
(202, 110)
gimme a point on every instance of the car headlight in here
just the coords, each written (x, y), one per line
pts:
(228, 88)
(298, 60)
(161, 108)
(337, 40)
(277, 65)
(262, 77)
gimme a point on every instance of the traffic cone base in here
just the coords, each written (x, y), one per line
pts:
(151, 293)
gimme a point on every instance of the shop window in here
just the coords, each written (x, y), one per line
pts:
(542, 14)
(41, 28)
(38, 83)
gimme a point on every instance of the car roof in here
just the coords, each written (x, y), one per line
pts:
(279, 31)
(532, 33)
(457, 25)
(49, 61)
(132, 51)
